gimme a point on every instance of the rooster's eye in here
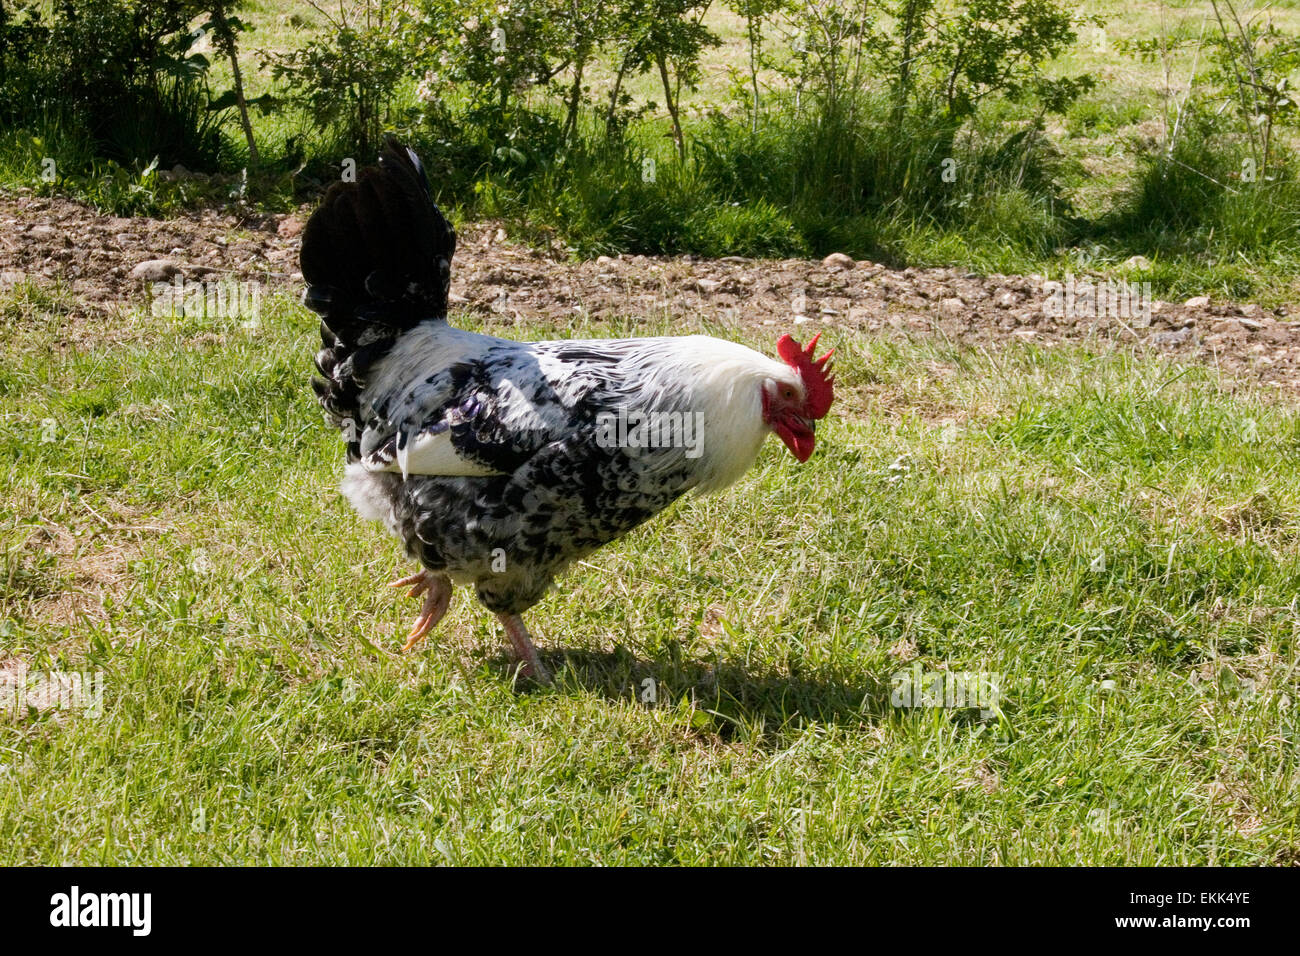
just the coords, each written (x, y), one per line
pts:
(788, 392)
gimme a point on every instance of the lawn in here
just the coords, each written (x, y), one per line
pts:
(1109, 538)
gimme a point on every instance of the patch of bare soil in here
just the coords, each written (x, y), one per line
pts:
(67, 573)
(107, 262)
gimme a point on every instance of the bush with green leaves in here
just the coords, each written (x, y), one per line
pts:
(492, 52)
(126, 71)
(983, 48)
(669, 37)
(350, 81)
(1253, 63)
(957, 55)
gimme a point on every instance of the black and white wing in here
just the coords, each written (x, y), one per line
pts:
(454, 403)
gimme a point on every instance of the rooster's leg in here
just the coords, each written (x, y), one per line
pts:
(436, 589)
(530, 664)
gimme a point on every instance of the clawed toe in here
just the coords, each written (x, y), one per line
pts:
(436, 589)
(420, 579)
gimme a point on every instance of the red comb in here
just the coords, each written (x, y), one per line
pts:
(815, 374)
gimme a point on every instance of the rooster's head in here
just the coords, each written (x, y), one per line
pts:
(793, 403)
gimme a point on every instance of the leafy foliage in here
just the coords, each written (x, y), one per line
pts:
(125, 70)
(350, 83)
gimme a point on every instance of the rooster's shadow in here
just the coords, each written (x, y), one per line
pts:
(724, 699)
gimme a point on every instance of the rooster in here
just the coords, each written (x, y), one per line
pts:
(498, 463)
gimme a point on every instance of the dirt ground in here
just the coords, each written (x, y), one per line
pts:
(106, 263)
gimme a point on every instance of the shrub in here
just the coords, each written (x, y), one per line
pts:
(349, 82)
(124, 71)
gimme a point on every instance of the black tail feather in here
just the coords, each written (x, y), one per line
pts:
(376, 256)
(381, 240)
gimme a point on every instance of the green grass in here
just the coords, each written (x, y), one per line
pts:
(1115, 536)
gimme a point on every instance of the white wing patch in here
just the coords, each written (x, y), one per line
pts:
(432, 454)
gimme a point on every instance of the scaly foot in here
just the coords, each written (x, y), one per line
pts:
(530, 665)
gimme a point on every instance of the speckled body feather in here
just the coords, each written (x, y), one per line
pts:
(530, 415)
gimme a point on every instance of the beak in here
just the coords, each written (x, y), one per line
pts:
(799, 435)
